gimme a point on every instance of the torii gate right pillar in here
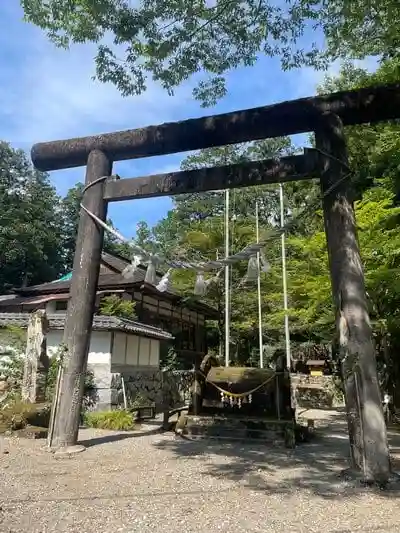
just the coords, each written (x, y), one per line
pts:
(367, 429)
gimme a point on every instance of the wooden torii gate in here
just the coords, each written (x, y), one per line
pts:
(324, 115)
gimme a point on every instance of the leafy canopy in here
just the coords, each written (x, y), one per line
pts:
(114, 306)
(172, 41)
(30, 222)
(38, 229)
(194, 228)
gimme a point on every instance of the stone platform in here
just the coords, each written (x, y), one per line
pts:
(236, 428)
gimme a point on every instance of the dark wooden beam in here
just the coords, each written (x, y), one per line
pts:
(287, 118)
(212, 179)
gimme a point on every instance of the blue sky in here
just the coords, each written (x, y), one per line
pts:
(48, 94)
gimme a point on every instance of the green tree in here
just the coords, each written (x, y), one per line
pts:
(30, 223)
(192, 205)
(311, 312)
(115, 306)
(374, 150)
(173, 41)
(70, 210)
(194, 230)
(12, 348)
(374, 159)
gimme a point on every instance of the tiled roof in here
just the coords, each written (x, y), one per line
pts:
(7, 297)
(100, 323)
(110, 274)
(110, 278)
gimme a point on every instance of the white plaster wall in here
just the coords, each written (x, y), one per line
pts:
(99, 348)
(133, 350)
(54, 339)
(99, 362)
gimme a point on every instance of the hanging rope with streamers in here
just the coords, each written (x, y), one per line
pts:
(140, 256)
(241, 394)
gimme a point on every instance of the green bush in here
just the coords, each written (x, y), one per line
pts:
(170, 360)
(115, 306)
(12, 348)
(118, 420)
(140, 401)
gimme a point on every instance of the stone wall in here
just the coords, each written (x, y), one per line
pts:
(161, 387)
(315, 392)
(172, 388)
(102, 379)
(177, 387)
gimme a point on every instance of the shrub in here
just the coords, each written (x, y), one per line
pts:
(170, 360)
(115, 306)
(118, 420)
(12, 347)
(140, 401)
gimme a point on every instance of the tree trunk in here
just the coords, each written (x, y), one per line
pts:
(79, 319)
(367, 429)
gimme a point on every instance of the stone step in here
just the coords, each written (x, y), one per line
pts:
(237, 421)
(230, 428)
(278, 442)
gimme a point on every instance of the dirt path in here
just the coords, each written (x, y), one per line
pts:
(151, 482)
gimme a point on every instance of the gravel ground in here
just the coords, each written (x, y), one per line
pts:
(151, 482)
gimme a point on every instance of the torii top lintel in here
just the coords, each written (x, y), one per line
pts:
(372, 104)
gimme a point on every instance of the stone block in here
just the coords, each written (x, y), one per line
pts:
(102, 375)
(103, 400)
(116, 397)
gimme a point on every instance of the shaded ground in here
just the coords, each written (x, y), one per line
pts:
(147, 481)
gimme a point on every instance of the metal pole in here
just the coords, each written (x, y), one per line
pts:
(260, 330)
(227, 313)
(278, 397)
(124, 393)
(285, 299)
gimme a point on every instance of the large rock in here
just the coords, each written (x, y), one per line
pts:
(20, 415)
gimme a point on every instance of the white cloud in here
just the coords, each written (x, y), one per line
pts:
(308, 79)
(49, 93)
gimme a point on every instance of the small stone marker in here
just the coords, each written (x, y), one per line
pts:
(36, 360)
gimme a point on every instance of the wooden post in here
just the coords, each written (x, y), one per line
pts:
(197, 390)
(367, 430)
(79, 318)
(36, 364)
(280, 381)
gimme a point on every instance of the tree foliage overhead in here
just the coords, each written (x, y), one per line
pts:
(194, 229)
(38, 229)
(30, 222)
(374, 150)
(171, 41)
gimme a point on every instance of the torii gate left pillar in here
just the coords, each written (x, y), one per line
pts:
(78, 325)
